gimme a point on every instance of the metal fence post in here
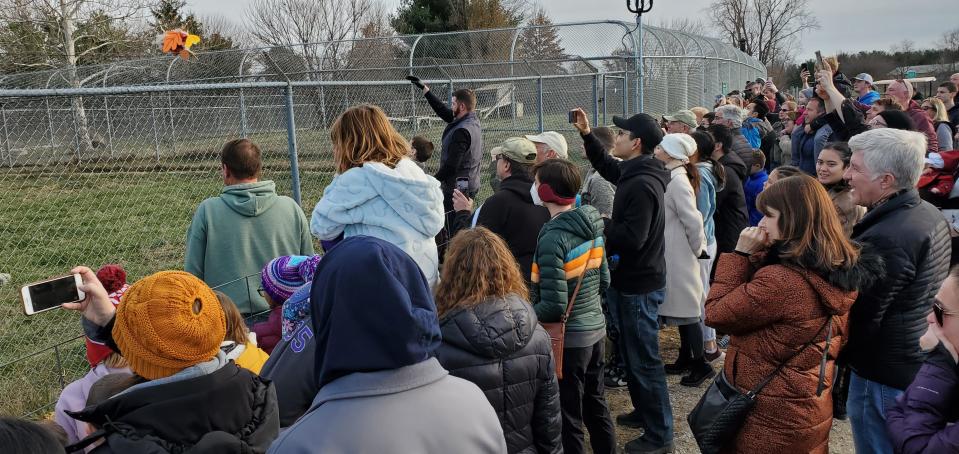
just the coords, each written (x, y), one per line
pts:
(605, 104)
(640, 80)
(244, 129)
(60, 373)
(50, 121)
(291, 143)
(156, 134)
(106, 112)
(596, 99)
(76, 129)
(6, 135)
(539, 100)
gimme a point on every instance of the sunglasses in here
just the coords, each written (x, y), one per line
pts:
(928, 108)
(940, 313)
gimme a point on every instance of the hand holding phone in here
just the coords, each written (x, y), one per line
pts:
(579, 119)
(463, 185)
(96, 305)
(51, 294)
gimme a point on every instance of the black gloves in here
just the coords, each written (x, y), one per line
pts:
(416, 81)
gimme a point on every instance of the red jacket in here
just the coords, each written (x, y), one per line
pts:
(942, 179)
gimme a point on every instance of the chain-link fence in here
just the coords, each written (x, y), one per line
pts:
(105, 164)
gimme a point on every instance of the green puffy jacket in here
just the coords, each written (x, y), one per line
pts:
(568, 245)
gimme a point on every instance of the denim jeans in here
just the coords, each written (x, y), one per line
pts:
(638, 319)
(867, 405)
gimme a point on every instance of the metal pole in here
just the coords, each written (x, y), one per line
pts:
(76, 128)
(640, 81)
(60, 374)
(50, 122)
(244, 129)
(605, 104)
(6, 135)
(596, 99)
(106, 113)
(539, 100)
(626, 94)
(291, 143)
(156, 134)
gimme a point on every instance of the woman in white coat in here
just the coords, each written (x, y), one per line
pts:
(685, 244)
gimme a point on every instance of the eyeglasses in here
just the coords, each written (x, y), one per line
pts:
(261, 291)
(940, 312)
(928, 108)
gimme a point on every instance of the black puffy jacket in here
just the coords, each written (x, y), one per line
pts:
(731, 215)
(889, 317)
(499, 345)
(231, 410)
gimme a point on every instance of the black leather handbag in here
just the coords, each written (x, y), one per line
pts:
(722, 411)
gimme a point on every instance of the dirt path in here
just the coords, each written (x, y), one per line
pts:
(683, 400)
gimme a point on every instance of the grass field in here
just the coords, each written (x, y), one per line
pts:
(132, 209)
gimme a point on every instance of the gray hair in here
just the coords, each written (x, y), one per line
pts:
(731, 113)
(893, 151)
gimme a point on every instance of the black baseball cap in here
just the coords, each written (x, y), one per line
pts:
(641, 126)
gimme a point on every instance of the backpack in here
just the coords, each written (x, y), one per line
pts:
(751, 131)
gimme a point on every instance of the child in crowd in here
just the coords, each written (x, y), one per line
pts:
(295, 385)
(279, 279)
(105, 388)
(239, 344)
(103, 361)
(754, 185)
(379, 191)
(570, 268)
(779, 173)
(422, 150)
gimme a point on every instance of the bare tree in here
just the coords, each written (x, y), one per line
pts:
(63, 33)
(303, 23)
(768, 29)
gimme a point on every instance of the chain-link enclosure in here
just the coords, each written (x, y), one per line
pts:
(105, 164)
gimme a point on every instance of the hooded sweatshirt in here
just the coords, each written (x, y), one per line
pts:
(636, 230)
(380, 389)
(295, 385)
(402, 205)
(235, 234)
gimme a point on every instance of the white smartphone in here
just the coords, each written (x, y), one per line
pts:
(51, 294)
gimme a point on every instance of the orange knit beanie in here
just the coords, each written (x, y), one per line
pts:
(168, 321)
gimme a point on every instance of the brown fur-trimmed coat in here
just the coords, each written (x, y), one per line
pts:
(771, 309)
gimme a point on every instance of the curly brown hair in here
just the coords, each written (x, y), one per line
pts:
(478, 266)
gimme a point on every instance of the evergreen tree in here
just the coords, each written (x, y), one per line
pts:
(540, 41)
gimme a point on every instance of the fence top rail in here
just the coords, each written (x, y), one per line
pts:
(135, 89)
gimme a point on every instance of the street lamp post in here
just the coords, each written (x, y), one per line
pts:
(639, 7)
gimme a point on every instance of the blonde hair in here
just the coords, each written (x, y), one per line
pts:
(362, 134)
(492, 271)
(115, 361)
(941, 114)
(236, 330)
(790, 106)
(699, 112)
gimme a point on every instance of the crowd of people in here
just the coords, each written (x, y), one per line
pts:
(798, 242)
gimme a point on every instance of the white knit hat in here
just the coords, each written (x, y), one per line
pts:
(679, 146)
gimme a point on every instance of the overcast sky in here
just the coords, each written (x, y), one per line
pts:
(847, 25)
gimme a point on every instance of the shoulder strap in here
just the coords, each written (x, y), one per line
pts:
(822, 365)
(579, 283)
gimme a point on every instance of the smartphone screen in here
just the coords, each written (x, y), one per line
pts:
(463, 184)
(572, 116)
(51, 294)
